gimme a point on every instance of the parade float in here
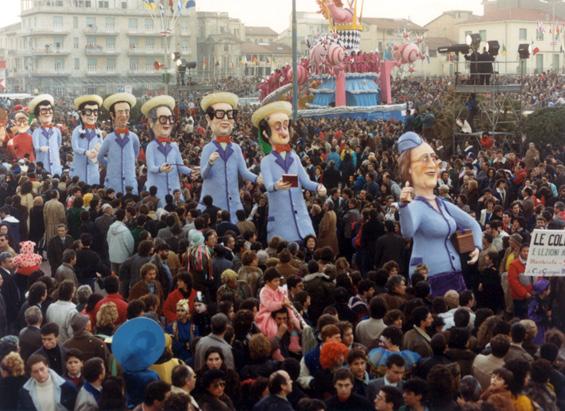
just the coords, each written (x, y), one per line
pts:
(337, 79)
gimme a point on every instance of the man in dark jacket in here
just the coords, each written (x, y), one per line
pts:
(51, 349)
(30, 336)
(345, 398)
(56, 393)
(320, 288)
(390, 246)
(9, 290)
(280, 385)
(56, 246)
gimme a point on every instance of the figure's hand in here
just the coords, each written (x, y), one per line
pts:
(321, 190)
(407, 193)
(44, 149)
(281, 185)
(91, 154)
(260, 180)
(165, 168)
(474, 256)
(213, 157)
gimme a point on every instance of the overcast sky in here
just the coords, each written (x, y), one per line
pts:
(277, 13)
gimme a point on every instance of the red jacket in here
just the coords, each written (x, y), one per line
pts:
(170, 305)
(121, 304)
(517, 289)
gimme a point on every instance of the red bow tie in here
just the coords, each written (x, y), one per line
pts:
(91, 127)
(47, 126)
(164, 140)
(223, 139)
(121, 131)
(282, 148)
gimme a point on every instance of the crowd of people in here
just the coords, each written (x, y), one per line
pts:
(333, 322)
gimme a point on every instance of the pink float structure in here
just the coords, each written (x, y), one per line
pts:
(348, 82)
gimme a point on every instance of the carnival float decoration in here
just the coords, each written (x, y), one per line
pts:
(339, 79)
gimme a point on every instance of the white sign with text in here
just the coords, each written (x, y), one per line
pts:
(547, 254)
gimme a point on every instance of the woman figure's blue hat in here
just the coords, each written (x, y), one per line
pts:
(408, 141)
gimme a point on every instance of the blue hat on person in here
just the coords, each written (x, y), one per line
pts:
(408, 141)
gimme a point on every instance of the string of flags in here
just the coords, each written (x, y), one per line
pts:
(153, 5)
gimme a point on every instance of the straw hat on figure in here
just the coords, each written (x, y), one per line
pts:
(283, 174)
(86, 140)
(163, 158)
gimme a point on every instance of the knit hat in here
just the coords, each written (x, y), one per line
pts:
(78, 323)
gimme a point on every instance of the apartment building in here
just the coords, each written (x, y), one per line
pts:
(87, 46)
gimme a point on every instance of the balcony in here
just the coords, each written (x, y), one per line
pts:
(39, 31)
(95, 31)
(142, 33)
(57, 74)
(46, 52)
(145, 52)
(94, 50)
(102, 73)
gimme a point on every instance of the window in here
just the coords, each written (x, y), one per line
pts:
(124, 4)
(58, 42)
(149, 65)
(539, 63)
(75, 22)
(91, 22)
(133, 64)
(483, 34)
(111, 64)
(77, 64)
(110, 43)
(150, 43)
(539, 35)
(148, 24)
(110, 23)
(90, 42)
(59, 65)
(132, 43)
(226, 48)
(58, 22)
(75, 43)
(103, 4)
(555, 63)
(91, 65)
(132, 24)
(523, 34)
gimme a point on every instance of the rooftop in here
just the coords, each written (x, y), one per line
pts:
(392, 24)
(512, 14)
(260, 31)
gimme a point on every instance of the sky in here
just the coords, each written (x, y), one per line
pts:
(277, 14)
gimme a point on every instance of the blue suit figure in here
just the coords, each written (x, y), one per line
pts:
(288, 216)
(120, 148)
(86, 140)
(221, 161)
(162, 155)
(46, 139)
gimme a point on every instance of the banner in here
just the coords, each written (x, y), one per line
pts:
(547, 254)
(2, 75)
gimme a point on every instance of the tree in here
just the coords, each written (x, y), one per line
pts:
(546, 126)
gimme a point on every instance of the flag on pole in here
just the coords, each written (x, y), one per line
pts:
(190, 3)
(149, 4)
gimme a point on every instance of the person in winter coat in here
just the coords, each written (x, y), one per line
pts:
(12, 369)
(320, 287)
(327, 230)
(45, 389)
(120, 241)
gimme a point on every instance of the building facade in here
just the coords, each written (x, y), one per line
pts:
(87, 46)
